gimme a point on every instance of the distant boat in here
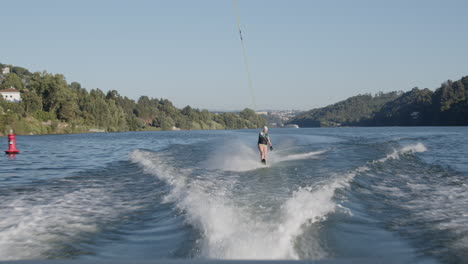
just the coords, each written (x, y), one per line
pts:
(291, 126)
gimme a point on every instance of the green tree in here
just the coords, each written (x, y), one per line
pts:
(12, 81)
(31, 102)
(20, 71)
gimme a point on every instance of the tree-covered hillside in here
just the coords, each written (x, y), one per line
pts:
(351, 111)
(446, 106)
(51, 105)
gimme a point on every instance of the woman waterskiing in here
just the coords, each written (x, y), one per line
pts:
(263, 142)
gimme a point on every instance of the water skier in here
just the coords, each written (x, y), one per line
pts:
(263, 142)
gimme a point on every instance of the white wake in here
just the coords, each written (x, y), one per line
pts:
(233, 231)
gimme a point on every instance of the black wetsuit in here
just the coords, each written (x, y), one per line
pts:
(263, 138)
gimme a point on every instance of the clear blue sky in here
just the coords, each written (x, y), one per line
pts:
(302, 54)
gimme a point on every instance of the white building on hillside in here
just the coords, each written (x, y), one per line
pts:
(11, 95)
(6, 70)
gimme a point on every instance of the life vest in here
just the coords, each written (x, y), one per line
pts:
(263, 138)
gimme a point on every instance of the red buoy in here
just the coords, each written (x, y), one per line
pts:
(12, 144)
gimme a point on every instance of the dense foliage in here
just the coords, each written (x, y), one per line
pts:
(50, 105)
(353, 110)
(446, 106)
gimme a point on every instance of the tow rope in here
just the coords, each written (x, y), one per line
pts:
(244, 53)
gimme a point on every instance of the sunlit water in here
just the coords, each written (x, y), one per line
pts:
(398, 194)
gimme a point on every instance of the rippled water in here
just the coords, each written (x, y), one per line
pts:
(398, 194)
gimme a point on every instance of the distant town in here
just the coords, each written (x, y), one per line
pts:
(279, 118)
(275, 118)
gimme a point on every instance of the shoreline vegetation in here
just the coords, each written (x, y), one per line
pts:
(50, 105)
(446, 106)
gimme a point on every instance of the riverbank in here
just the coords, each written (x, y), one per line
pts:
(32, 126)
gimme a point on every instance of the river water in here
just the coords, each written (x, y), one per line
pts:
(399, 194)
